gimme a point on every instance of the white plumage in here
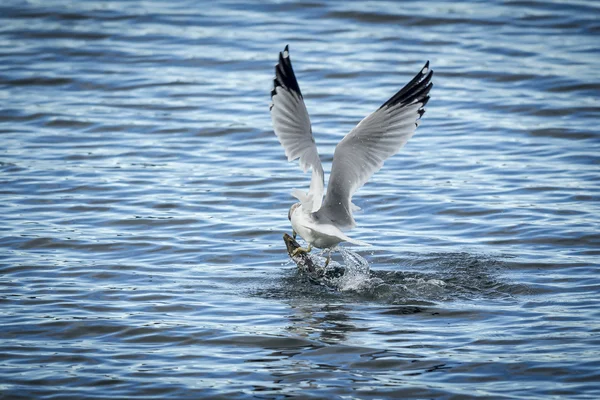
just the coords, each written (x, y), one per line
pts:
(357, 156)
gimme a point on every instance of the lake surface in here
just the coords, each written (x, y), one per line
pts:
(144, 197)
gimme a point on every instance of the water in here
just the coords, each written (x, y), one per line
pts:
(144, 196)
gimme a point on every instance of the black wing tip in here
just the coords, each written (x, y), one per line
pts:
(285, 54)
(284, 74)
(426, 99)
(417, 89)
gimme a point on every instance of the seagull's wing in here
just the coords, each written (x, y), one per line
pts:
(376, 138)
(291, 124)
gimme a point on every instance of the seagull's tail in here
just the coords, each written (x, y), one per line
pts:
(357, 242)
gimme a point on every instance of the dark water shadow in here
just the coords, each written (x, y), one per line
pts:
(413, 281)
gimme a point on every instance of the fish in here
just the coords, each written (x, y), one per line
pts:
(307, 266)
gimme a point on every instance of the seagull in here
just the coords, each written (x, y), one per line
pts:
(361, 153)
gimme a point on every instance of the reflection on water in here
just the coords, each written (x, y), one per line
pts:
(327, 323)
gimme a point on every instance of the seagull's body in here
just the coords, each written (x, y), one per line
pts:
(356, 158)
(318, 230)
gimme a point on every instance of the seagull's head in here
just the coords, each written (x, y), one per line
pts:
(292, 209)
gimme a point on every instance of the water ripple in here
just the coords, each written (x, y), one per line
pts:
(144, 196)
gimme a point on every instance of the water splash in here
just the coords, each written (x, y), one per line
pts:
(357, 274)
(431, 278)
(353, 275)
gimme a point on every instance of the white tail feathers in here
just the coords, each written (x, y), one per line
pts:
(357, 242)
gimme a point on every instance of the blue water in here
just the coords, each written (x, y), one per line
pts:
(144, 197)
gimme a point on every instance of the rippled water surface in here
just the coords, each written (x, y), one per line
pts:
(144, 197)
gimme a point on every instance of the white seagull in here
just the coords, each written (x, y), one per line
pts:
(357, 156)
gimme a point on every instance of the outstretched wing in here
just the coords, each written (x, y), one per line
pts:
(291, 124)
(376, 138)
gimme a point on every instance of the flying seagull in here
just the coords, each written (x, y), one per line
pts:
(361, 153)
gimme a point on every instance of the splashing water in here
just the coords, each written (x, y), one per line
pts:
(431, 278)
(353, 275)
(357, 273)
